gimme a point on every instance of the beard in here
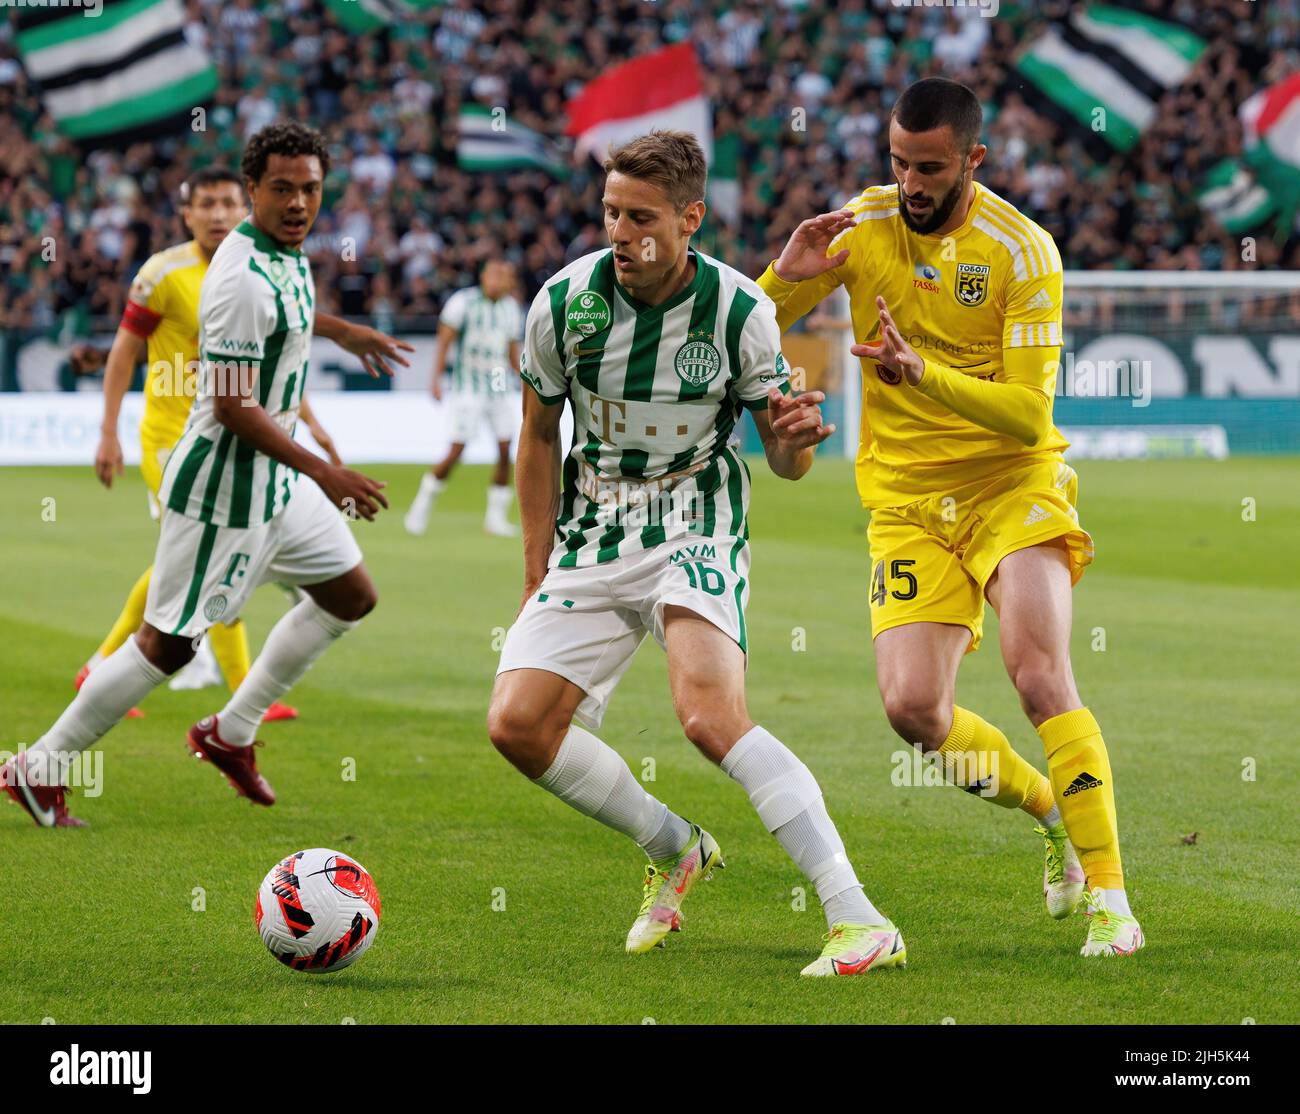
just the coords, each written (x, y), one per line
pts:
(938, 215)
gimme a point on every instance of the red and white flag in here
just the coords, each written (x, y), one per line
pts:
(1271, 118)
(659, 90)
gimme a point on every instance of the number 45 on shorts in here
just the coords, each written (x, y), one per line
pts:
(902, 583)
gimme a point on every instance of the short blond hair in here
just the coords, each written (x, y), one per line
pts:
(673, 161)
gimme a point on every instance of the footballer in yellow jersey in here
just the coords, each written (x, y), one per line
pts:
(956, 298)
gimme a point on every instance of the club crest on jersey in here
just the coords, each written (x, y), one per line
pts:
(587, 313)
(972, 283)
(280, 277)
(698, 361)
(214, 608)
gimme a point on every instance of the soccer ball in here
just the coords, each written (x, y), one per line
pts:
(317, 910)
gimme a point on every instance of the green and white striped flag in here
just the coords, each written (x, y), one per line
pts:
(119, 75)
(1231, 194)
(490, 140)
(1111, 58)
(360, 16)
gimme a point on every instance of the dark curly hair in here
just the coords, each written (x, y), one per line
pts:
(282, 139)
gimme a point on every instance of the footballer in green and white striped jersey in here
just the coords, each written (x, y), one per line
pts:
(485, 328)
(256, 315)
(656, 393)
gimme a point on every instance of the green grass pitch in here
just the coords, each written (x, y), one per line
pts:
(1196, 689)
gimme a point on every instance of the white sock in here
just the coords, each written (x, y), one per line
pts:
(498, 500)
(1117, 902)
(1053, 817)
(294, 643)
(789, 802)
(590, 776)
(430, 488)
(111, 690)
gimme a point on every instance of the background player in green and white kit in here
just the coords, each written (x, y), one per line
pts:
(479, 327)
(236, 510)
(658, 350)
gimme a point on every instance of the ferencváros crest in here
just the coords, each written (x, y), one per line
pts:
(587, 313)
(972, 283)
(697, 361)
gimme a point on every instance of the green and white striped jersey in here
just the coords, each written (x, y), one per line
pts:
(480, 358)
(256, 314)
(656, 393)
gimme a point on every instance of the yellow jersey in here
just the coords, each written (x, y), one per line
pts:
(982, 307)
(163, 308)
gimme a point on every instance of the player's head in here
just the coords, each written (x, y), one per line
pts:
(284, 167)
(496, 277)
(654, 203)
(934, 149)
(212, 203)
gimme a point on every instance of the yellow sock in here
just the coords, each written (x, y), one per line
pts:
(230, 648)
(975, 750)
(1080, 772)
(128, 622)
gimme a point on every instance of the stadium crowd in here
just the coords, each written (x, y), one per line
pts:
(74, 226)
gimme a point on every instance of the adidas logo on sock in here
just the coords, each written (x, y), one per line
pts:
(1084, 781)
(1037, 515)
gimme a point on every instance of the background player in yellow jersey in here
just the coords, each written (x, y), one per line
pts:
(959, 297)
(161, 320)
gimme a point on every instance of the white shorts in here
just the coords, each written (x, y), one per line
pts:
(468, 410)
(204, 574)
(585, 624)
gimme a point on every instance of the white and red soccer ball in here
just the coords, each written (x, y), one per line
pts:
(317, 910)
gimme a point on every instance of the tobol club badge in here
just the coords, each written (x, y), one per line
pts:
(587, 313)
(972, 283)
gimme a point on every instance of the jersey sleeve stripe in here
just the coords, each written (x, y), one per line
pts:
(1016, 251)
(1046, 247)
(996, 212)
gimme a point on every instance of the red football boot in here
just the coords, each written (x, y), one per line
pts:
(237, 763)
(134, 713)
(44, 804)
(280, 711)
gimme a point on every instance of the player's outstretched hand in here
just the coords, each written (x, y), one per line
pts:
(891, 349)
(374, 349)
(797, 419)
(108, 459)
(804, 255)
(356, 495)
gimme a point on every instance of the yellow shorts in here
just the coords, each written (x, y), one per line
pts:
(931, 559)
(153, 458)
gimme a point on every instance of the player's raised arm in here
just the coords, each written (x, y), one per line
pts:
(373, 348)
(807, 269)
(789, 426)
(1018, 405)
